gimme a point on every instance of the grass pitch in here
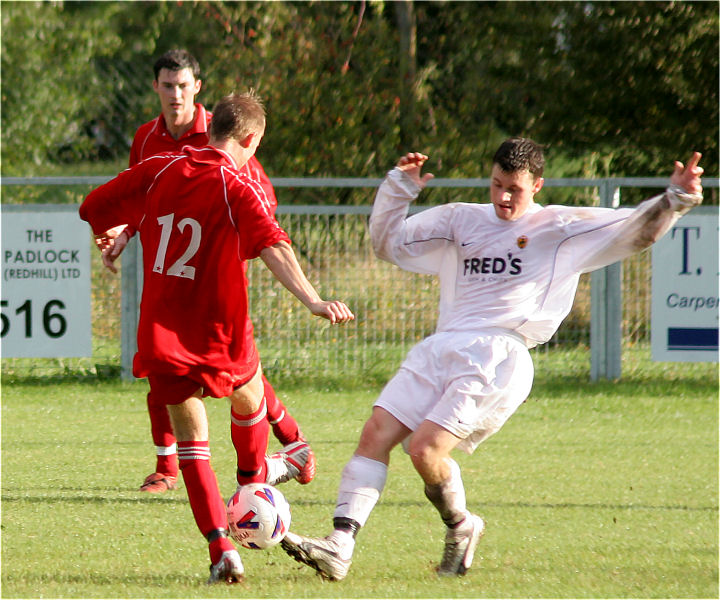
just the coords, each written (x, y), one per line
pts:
(604, 490)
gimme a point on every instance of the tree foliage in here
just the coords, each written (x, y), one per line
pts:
(47, 85)
(636, 81)
(619, 88)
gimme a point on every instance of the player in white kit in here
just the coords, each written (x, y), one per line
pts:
(508, 272)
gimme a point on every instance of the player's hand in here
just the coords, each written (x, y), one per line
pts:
(333, 310)
(411, 164)
(105, 240)
(111, 244)
(688, 177)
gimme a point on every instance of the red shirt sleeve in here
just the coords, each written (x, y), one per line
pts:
(253, 218)
(119, 201)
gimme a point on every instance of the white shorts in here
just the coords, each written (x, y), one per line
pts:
(469, 383)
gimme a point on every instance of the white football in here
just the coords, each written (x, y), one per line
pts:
(258, 516)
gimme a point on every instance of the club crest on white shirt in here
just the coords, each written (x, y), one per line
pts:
(522, 241)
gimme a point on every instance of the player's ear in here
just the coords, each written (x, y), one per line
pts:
(247, 141)
(537, 186)
(198, 85)
(155, 84)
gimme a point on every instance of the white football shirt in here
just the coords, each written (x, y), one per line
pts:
(520, 275)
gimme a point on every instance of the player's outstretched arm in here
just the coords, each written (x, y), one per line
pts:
(651, 219)
(283, 264)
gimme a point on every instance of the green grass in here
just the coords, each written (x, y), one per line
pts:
(605, 490)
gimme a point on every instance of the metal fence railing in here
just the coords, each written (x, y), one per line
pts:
(394, 308)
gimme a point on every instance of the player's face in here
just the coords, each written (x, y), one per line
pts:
(512, 193)
(177, 91)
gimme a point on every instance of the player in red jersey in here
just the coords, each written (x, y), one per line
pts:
(199, 220)
(184, 122)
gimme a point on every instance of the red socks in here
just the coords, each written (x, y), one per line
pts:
(285, 427)
(249, 435)
(163, 437)
(206, 502)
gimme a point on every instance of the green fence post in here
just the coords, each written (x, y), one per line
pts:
(606, 307)
(131, 291)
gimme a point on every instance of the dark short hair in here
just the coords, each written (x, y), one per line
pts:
(177, 60)
(520, 154)
(237, 115)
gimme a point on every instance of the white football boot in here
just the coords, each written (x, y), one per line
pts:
(229, 569)
(287, 463)
(322, 554)
(460, 545)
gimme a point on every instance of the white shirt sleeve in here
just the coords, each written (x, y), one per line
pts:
(417, 243)
(628, 231)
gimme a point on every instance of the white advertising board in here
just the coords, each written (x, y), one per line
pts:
(45, 307)
(685, 290)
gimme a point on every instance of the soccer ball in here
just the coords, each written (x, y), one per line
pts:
(258, 516)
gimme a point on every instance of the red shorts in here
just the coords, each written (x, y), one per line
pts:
(175, 389)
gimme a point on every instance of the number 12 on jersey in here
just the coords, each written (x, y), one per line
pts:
(180, 267)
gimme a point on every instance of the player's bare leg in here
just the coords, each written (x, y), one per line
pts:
(429, 449)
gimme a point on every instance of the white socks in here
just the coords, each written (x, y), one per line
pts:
(363, 479)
